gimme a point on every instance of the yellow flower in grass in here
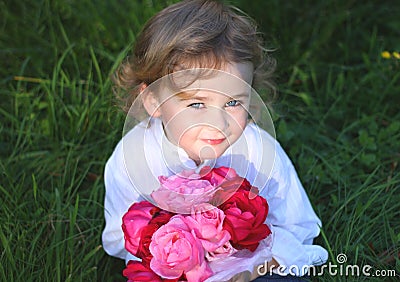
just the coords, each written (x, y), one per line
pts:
(385, 55)
(396, 55)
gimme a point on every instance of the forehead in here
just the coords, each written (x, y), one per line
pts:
(232, 79)
(242, 70)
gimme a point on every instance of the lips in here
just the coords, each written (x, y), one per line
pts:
(214, 141)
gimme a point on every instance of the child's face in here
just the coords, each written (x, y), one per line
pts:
(206, 122)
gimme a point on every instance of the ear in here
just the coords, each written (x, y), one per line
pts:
(150, 102)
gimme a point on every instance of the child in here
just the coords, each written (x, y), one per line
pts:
(208, 124)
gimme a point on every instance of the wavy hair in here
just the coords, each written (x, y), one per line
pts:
(193, 34)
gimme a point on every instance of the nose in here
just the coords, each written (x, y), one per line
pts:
(218, 119)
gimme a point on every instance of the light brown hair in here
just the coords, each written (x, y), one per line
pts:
(193, 34)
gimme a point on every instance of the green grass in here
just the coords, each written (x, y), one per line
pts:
(338, 118)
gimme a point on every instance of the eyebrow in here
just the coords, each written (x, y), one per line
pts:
(184, 96)
(240, 96)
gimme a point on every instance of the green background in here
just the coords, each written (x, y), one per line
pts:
(337, 116)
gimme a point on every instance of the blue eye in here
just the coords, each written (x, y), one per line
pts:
(233, 103)
(196, 105)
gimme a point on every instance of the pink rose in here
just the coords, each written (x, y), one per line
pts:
(133, 222)
(225, 250)
(177, 251)
(180, 193)
(207, 223)
(158, 220)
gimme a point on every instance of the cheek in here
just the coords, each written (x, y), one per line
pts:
(189, 135)
(182, 133)
(239, 120)
(177, 127)
(173, 121)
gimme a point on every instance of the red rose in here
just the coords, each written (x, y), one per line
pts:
(244, 219)
(219, 175)
(134, 220)
(135, 271)
(229, 182)
(159, 219)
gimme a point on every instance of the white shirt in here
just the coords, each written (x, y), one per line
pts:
(144, 153)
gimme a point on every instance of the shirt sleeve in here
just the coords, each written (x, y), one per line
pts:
(119, 195)
(292, 218)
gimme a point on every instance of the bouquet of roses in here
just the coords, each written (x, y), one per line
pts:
(205, 226)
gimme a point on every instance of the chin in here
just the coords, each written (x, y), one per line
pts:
(211, 156)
